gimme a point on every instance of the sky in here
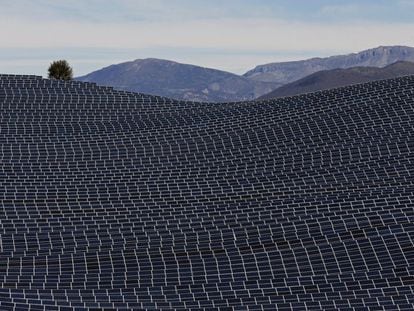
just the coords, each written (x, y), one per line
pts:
(231, 35)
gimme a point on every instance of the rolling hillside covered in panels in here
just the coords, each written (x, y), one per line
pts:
(116, 200)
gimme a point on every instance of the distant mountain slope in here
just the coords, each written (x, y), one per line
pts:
(286, 72)
(179, 81)
(327, 79)
(189, 82)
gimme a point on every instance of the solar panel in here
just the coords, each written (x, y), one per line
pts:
(116, 200)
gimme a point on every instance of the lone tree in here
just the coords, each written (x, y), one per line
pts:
(60, 70)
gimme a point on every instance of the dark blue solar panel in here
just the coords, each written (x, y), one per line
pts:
(115, 200)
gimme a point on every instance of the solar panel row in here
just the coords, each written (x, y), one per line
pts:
(115, 200)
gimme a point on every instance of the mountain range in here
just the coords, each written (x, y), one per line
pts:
(327, 79)
(195, 83)
(287, 72)
(179, 81)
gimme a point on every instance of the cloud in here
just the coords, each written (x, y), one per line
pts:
(247, 34)
(344, 9)
(104, 11)
(406, 3)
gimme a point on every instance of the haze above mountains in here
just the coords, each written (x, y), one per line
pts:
(189, 82)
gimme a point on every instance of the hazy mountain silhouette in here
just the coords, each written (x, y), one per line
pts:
(328, 79)
(286, 72)
(179, 81)
(189, 82)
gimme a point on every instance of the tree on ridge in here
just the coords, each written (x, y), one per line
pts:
(60, 70)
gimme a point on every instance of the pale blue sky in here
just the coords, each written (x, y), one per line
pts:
(233, 35)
